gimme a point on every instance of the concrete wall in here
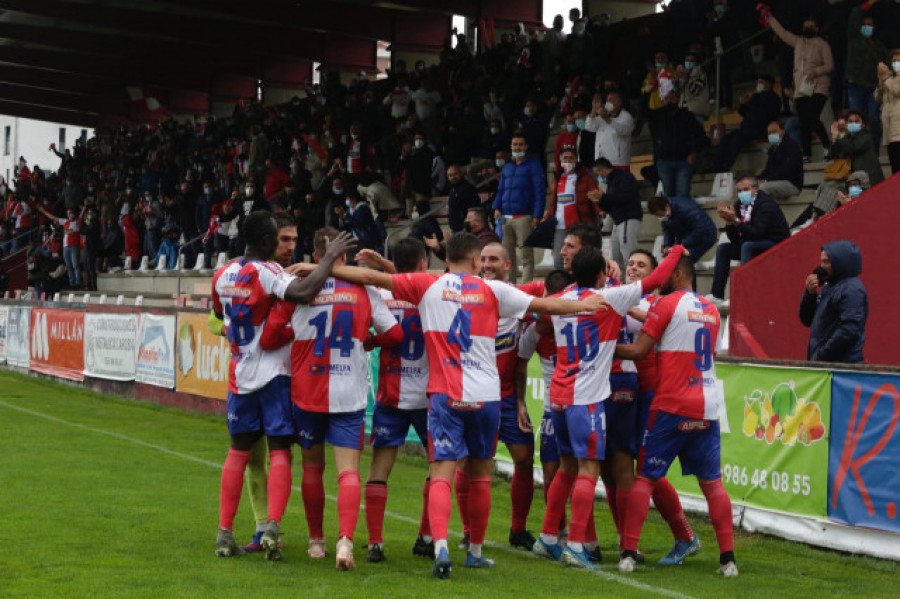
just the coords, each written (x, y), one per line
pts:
(32, 139)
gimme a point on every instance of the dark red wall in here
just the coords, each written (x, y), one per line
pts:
(765, 293)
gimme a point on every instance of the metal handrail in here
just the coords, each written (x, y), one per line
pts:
(28, 233)
(180, 250)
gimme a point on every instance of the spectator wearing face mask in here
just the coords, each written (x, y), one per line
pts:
(418, 170)
(355, 217)
(813, 64)
(684, 222)
(853, 140)
(783, 175)
(567, 138)
(533, 124)
(650, 89)
(694, 87)
(888, 94)
(71, 195)
(622, 202)
(494, 139)
(570, 201)
(857, 183)
(612, 125)
(677, 138)
(864, 52)
(462, 196)
(758, 110)
(753, 224)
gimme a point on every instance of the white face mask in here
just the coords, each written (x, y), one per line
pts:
(420, 143)
(249, 191)
(568, 166)
(896, 66)
(760, 88)
(609, 107)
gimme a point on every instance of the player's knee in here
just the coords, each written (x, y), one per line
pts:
(280, 442)
(245, 441)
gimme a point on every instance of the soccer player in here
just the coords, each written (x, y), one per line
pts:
(259, 403)
(401, 401)
(585, 345)
(329, 390)
(683, 419)
(495, 266)
(459, 317)
(639, 266)
(531, 341)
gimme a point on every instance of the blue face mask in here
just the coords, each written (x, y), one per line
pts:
(601, 179)
(689, 64)
(579, 123)
(571, 128)
(518, 155)
(338, 192)
(660, 65)
(745, 197)
(854, 127)
(720, 9)
(527, 111)
(866, 30)
(499, 162)
(774, 139)
(855, 190)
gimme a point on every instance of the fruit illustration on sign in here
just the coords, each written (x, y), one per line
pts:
(782, 416)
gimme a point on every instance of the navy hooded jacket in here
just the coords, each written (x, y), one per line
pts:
(836, 317)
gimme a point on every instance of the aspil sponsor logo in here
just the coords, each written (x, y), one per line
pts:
(689, 426)
(622, 396)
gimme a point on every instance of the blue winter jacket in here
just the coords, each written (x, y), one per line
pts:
(522, 188)
(836, 317)
(690, 226)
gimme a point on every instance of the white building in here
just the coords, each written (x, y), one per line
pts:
(31, 139)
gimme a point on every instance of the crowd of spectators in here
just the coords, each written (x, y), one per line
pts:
(358, 156)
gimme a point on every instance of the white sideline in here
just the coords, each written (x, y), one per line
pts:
(600, 573)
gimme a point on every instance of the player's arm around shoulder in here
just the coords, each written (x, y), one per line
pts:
(389, 332)
(557, 306)
(637, 350)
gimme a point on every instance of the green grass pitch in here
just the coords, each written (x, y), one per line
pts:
(102, 497)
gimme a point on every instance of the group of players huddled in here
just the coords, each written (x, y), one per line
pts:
(631, 382)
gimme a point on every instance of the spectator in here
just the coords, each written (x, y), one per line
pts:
(757, 110)
(853, 140)
(812, 69)
(71, 244)
(612, 125)
(519, 202)
(494, 140)
(132, 240)
(753, 224)
(533, 125)
(113, 246)
(651, 89)
(37, 264)
(684, 222)
(694, 87)
(425, 227)
(90, 232)
(381, 198)
(864, 52)
(621, 200)
(835, 305)
(355, 217)
(492, 112)
(677, 138)
(463, 196)
(783, 175)
(71, 195)
(567, 138)
(857, 183)
(259, 152)
(888, 95)
(419, 167)
(168, 249)
(571, 203)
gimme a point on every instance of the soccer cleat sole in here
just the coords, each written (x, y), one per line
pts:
(728, 570)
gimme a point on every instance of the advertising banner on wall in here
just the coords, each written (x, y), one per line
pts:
(4, 314)
(57, 342)
(18, 336)
(202, 358)
(775, 434)
(110, 342)
(864, 472)
(155, 364)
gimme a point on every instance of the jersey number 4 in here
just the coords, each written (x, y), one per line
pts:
(341, 336)
(460, 332)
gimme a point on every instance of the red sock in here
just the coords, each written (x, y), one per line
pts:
(424, 524)
(557, 498)
(622, 496)
(665, 497)
(582, 507)
(348, 502)
(590, 533)
(231, 487)
(611, 501)
(376, 499)
(439, 507)
(479, 507)
(521, 493)
(279, 484)
(637, 512)
(720, 513)
(461, 484)
(313, 491)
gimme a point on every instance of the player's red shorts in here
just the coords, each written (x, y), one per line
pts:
(458, 429)
(580, 430)
(696, 443)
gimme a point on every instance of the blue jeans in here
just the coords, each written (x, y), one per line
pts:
(72, 257)
(675, 176)
(863, 99)
(726, 252)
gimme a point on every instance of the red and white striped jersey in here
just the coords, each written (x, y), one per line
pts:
(620, 366)
(403, 374)
(530, 341)
(585, 345)
(566, 209)
(686, 327)
(329, 367)
(648, 373)
(243, 293)
(505, 343)
(459, 316)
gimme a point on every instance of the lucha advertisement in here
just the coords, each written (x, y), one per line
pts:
(155, 363)
(57, 342)
(109, 346)
(18, 334)
(203, 358)
(4, 315)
